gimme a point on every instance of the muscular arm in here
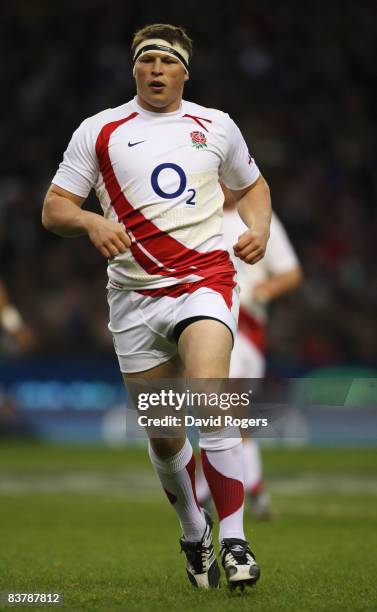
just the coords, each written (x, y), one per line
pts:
(254, 207)
(62, 214)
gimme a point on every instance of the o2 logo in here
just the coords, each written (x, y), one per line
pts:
(182, 184)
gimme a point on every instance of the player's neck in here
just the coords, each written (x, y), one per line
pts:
(170, 108)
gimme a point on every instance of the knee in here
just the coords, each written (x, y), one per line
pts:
(165, 448)
(207, 370)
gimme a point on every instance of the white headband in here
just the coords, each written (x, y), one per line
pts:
(164, 47)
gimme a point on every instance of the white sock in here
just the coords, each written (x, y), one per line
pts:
(223, 470)
(203, 492)
(177, 476)
(252, 465)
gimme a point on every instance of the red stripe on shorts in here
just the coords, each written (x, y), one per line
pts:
(177, 260)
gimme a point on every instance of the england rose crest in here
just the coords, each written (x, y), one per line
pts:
(198, 139)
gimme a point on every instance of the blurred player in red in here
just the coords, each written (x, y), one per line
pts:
(276, 274)
(12, 323)
(15, 337)
(155, 163)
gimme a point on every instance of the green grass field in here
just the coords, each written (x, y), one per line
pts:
(94, 525)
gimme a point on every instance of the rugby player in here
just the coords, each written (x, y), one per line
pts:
(155, 163)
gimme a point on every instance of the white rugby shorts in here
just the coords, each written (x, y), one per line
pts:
(247, 361)
(248, 356)
(143, 326)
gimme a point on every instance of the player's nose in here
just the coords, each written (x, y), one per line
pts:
(157, 66)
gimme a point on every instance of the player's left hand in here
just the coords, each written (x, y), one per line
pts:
(251, 246)
(261, 293)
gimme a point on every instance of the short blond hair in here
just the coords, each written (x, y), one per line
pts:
(165, 31)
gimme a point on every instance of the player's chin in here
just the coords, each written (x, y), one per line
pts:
(159, 100)
(157, 92)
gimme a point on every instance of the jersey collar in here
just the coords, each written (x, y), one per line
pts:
(147, 113)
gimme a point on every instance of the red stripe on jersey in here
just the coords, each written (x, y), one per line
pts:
(252, 329)
(221, 283)
(176, 259)
(198, 120)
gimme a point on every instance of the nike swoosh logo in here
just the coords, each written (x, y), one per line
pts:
(133, 144)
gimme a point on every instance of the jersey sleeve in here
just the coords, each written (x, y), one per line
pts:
(280, 256)
(78, 172)
(238, 169)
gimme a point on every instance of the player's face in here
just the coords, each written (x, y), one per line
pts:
(159, 82)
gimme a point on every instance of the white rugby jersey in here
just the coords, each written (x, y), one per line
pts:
(279, 257)
(158, 173)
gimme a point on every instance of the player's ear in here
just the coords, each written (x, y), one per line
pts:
(186, 77)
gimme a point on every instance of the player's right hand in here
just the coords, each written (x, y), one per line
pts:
(109, 237)
(251, 246)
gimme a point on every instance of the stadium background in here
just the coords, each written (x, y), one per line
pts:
(300, 81)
